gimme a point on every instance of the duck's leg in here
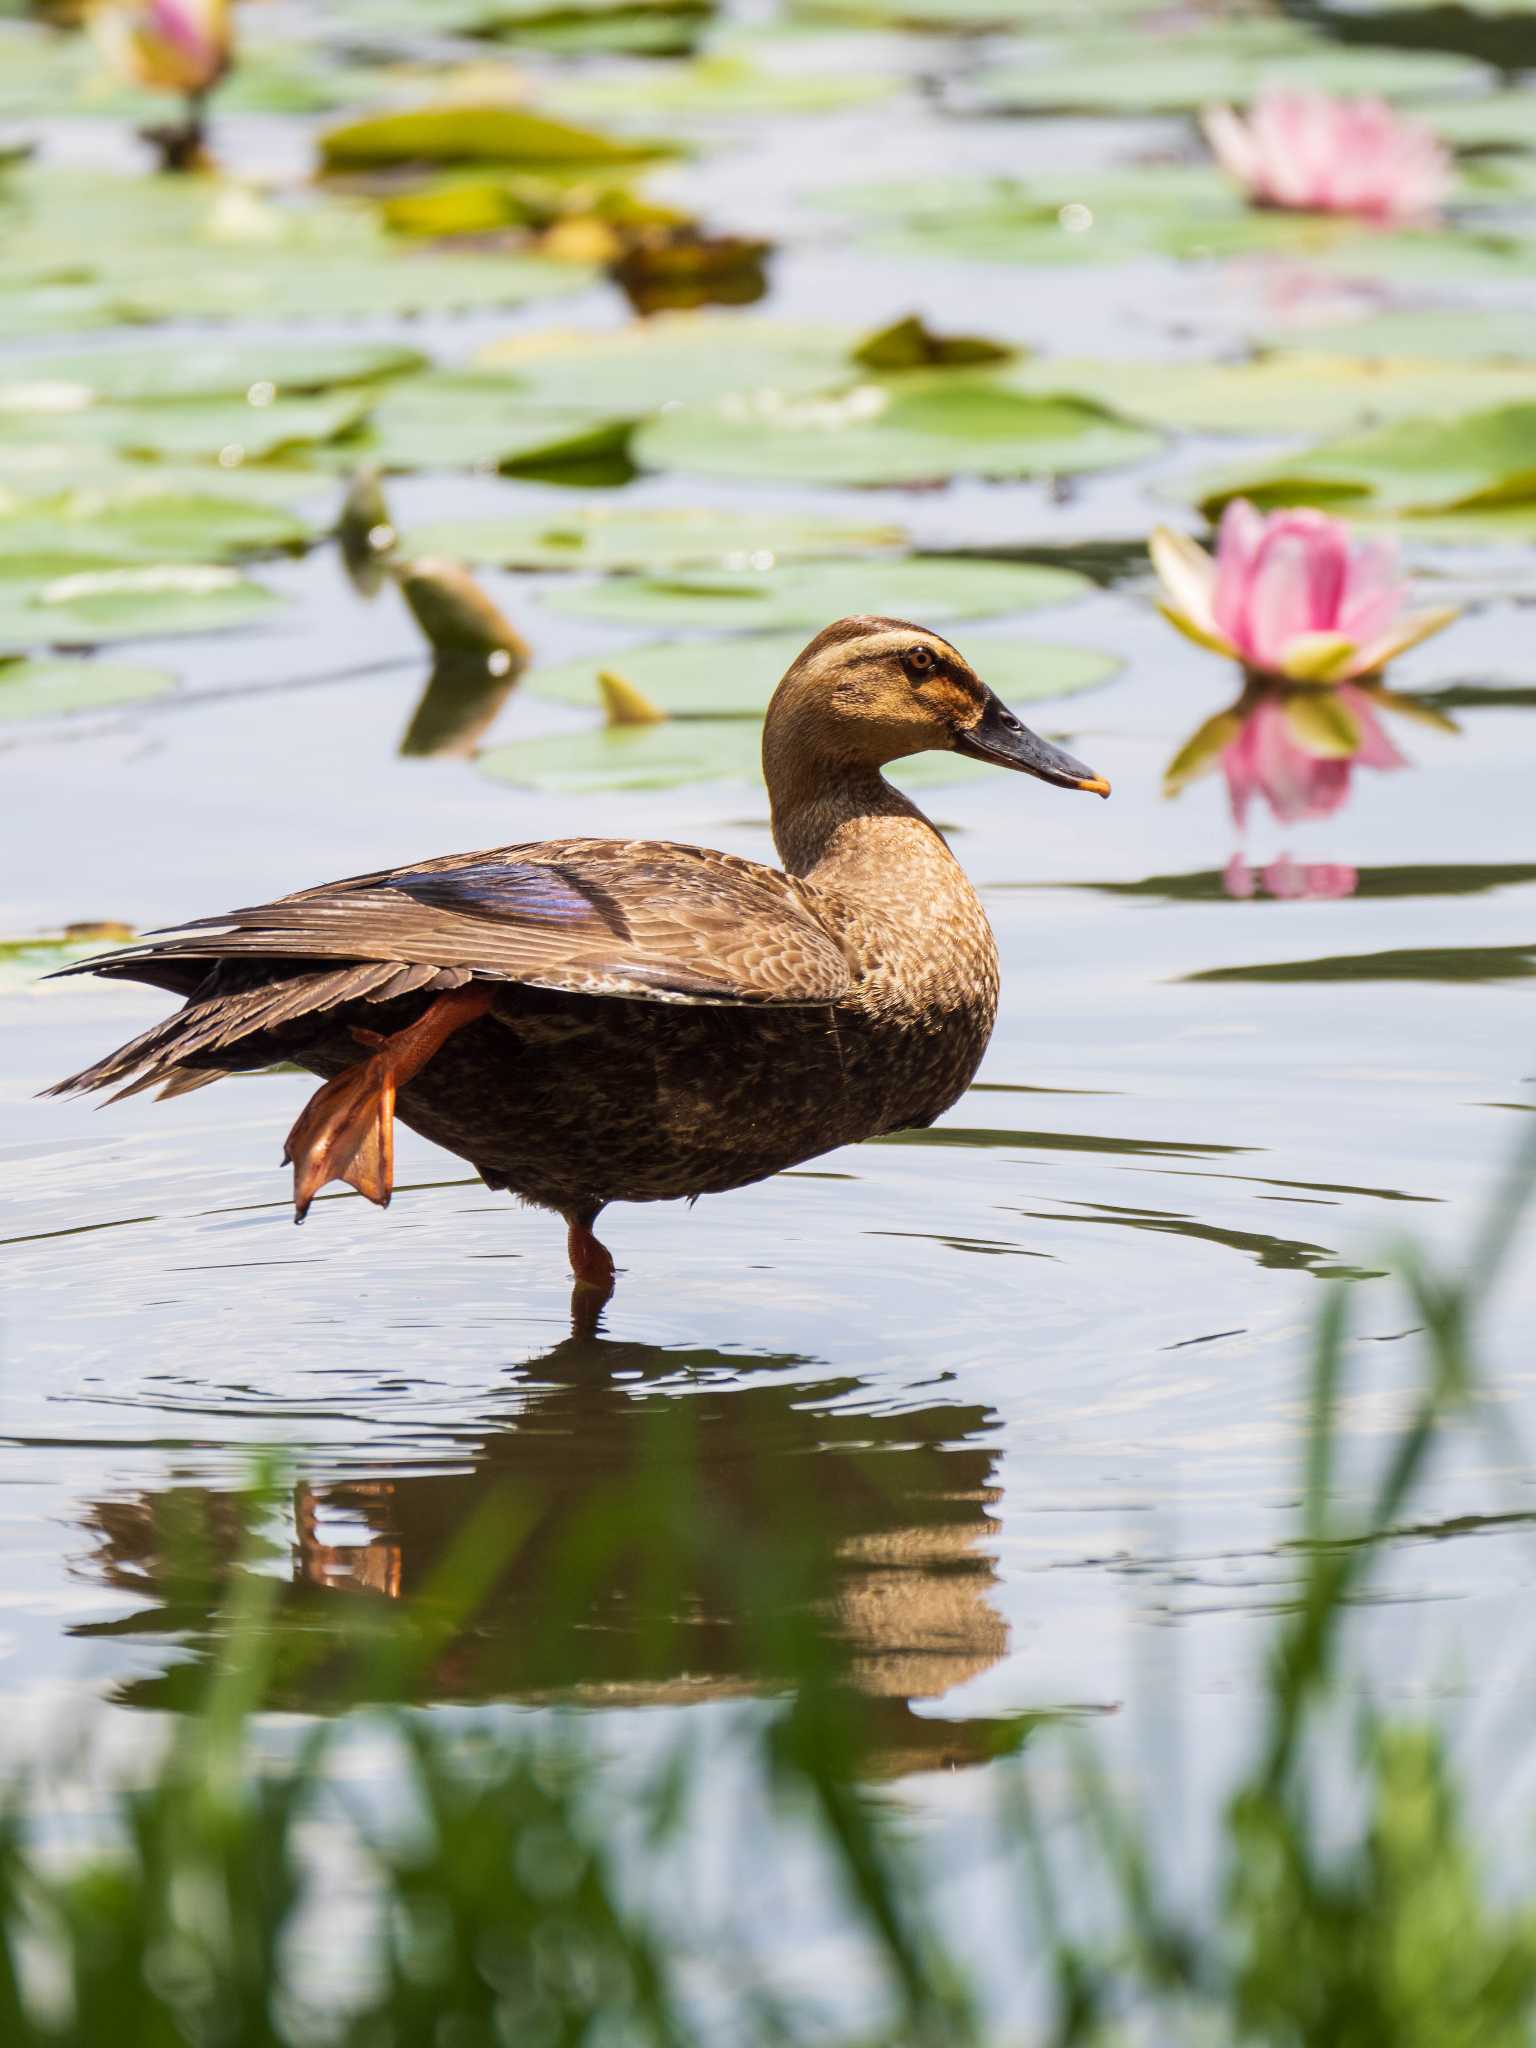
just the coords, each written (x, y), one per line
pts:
(347, 1128)
(591, 1260)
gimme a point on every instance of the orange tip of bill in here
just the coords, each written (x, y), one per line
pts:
(1096, 783)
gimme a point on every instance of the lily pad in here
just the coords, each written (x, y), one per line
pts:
(695, 678)
(452, 420)
(1444, 334)
(918, 586)
(51, 689)
(1483, 459)
(456, 133)
(722, 86)
(86, 605)
(657, 537)
(232, 431)
(1269, 394)
(1168, 72)
(52, 383)
(294, 284)
(924, 426)
(680, 356)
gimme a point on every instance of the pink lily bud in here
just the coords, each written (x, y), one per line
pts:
(1306, 152)
(180, 46)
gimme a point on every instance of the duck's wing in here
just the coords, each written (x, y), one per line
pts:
(641, 919)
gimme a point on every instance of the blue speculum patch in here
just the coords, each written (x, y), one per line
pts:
(524, 889)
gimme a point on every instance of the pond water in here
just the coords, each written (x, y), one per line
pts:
(1048, 1358)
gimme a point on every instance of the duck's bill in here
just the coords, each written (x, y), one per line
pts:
(999, 737)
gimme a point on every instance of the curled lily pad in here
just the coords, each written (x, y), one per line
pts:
(456, 133)
(920, 427)
(736, 677)
(917, 586)
(51, 689)
(649, 537)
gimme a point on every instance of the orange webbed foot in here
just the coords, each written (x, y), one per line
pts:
(346, 1132)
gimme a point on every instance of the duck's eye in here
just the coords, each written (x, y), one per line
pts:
(919, 661)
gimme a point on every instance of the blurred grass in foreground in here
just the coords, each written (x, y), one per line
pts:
(495, 1878)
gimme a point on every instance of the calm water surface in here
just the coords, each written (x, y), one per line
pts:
(1047, 1358)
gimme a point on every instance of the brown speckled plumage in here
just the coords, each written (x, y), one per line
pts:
(664, 1020)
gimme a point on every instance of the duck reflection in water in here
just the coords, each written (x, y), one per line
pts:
(684, 1526)
(1312, 616)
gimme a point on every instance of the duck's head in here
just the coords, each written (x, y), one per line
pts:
(867, 691)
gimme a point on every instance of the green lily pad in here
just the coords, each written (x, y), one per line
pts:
(233, 431)
(1491, 121)
(453, 420)
(923, 426)
(1169, 72)
(83, 606)
(722, 86)
(608, 537)
(927, 587)
(456, 133)
(962, 17)
(1483, 459)
(695, 678)
(638, 369)
(1270, 393)
(51, 382)
(155, 527)
(50, 689)
(294, 284)
(1445, 334)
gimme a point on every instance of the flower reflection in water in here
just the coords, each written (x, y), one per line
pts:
(1312, 615)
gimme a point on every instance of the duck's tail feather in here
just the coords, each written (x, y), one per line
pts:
(233, 1030)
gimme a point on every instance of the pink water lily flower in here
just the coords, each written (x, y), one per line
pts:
(1306, 152)
(180, 46)
(1292, 595)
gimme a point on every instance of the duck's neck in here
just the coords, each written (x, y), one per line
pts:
(843, 827)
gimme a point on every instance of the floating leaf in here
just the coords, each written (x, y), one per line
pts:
(1178, 72)
(453, 420)
(917, 586)
(722, 87)
(736, 677)
(465, 134)
(50, 689)
(233, 430)
(85, 606)
(653, 537)
(923, 426)
(155, 527)
(1269, 393)
(49, 383)
(1441, 334)
(680, 356)
(1483, 459)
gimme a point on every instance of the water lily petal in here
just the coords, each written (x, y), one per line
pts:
(1407, 633)
(1186, 572)
(1319, 658)
(1202, 636)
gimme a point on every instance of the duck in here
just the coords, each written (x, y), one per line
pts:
(594, 1021)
